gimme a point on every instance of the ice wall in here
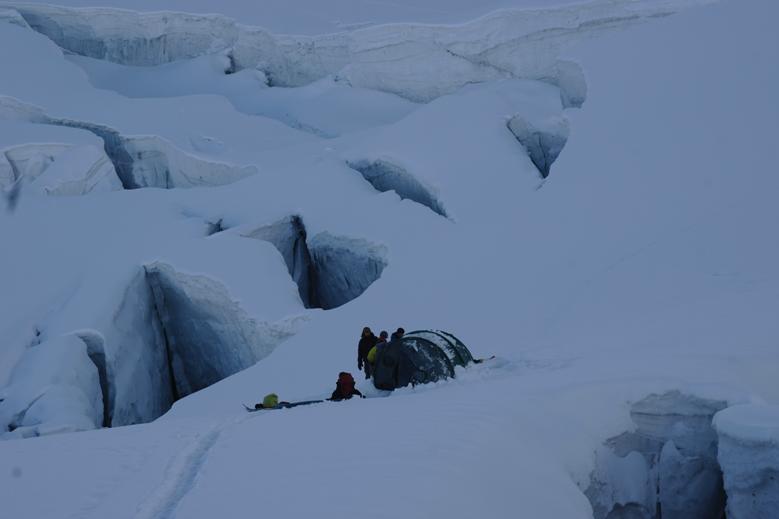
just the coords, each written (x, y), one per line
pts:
(749, 456)
(345, 267)
(419, 62)
(128, 37)
(667, 468)
(208, 335)
(140, 385)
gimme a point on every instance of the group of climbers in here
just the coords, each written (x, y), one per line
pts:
(345, 386)
(396, 361)
(369, 345)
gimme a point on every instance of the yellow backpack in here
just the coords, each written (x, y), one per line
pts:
(372, 355)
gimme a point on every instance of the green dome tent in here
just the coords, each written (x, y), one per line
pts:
(419, 357)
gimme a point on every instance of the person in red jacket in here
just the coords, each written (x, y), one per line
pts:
(344, 388)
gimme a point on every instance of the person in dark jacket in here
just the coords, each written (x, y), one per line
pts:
(397, 334)
(344, 388)
(367, 341)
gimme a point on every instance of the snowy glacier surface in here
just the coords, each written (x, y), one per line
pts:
(200, 209)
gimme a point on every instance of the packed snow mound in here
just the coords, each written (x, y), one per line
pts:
(419, 62)
(51, 161)
(749, 455)
(58, 169)
(55, 388)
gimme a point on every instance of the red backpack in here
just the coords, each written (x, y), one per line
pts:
(345, 383)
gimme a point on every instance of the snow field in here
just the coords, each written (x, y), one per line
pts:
(643, 265)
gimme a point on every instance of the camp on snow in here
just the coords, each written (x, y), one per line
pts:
(419, 357)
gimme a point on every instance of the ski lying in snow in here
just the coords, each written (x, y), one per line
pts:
(283, 405)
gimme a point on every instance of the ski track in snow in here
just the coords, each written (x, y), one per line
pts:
(181, 475)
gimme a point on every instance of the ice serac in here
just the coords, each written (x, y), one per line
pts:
(209, 336)
(418, 62)
(345, 267)
(130, 37)
(666, 468)
(54, 388)
(543, 140)
(289, 237)
(139, 383)
(749, 456)
(383, 175)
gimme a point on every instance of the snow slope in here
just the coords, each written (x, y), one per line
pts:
(644, 263)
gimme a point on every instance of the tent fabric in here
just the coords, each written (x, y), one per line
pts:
(457, 352)
(418, 358)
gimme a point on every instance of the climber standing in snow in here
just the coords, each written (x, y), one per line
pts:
(367, 341)
(398, 334)
(344, 388)
(371, 358)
